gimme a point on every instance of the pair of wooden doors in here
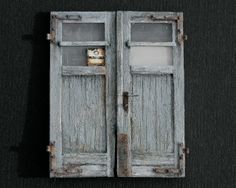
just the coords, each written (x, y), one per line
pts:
(126, 117)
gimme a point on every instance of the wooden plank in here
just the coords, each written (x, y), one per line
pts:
(132, 44)
(85, 158)
(55, 98)
(83, 70)
(137, 111)
(153, 159)
(123, 85)
(135, 69)
(178, 63)
(75, 171)
(149, 171)
(86, 43)
(85, 17)
(152, 122)
(151, 17)
(84, 117)
(110, 91)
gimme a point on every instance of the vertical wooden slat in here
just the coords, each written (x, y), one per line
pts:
(110, 90)
(123, 117)
(178, 63)
(55, 96)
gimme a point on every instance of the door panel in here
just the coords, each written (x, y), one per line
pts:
(150, 70)
(152, 114)
(83, 114)
(82, 102)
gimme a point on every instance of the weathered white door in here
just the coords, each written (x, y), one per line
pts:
(82, 102)
(150, 94)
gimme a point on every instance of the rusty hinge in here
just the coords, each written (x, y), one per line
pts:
(51, 150)
(168, 18)
(51, 36)
(160, 170)
(68, 171)
(67, 17)
(179, 170)
(182, 38)
(185, 150)
(51, 147)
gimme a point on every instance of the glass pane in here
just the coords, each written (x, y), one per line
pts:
(83, 32)
(77, 56)
(151, 32)
(151, 56)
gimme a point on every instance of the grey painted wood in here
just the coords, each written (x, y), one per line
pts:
(153, 159)
(152, 121)
(151, 125)
(155, 91)
(75, 171)
(123, 85)
(83, 114)
(130, 44)
(83, 70)
(85, 103)
(81, 17)
(85, 158)
(147, 171)
(152, 17)
(84, 43)
(55, 100)
(110, 89)
(152, 69)
(179, 91)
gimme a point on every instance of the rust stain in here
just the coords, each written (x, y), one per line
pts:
(52, 157)
(181, 163)
(167, 170)
(124, 169)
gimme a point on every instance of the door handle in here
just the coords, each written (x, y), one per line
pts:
(126, 100)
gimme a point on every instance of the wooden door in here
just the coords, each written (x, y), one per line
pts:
(82, 102)
(150, 94)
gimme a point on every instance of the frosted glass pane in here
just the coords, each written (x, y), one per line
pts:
(151, 56)
(75, 56)
(151, 32)
(83, 32)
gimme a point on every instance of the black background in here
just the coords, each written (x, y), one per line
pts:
(209, 96)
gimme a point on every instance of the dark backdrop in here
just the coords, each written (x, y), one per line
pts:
(24, 92)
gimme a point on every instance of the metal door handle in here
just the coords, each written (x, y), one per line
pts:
(126, 100)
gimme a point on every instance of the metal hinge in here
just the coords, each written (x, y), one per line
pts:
(167, 170)
(182, 38)
(51, 147)
(51, 150)
(182, 151)
(51, 36)
(185, 150)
